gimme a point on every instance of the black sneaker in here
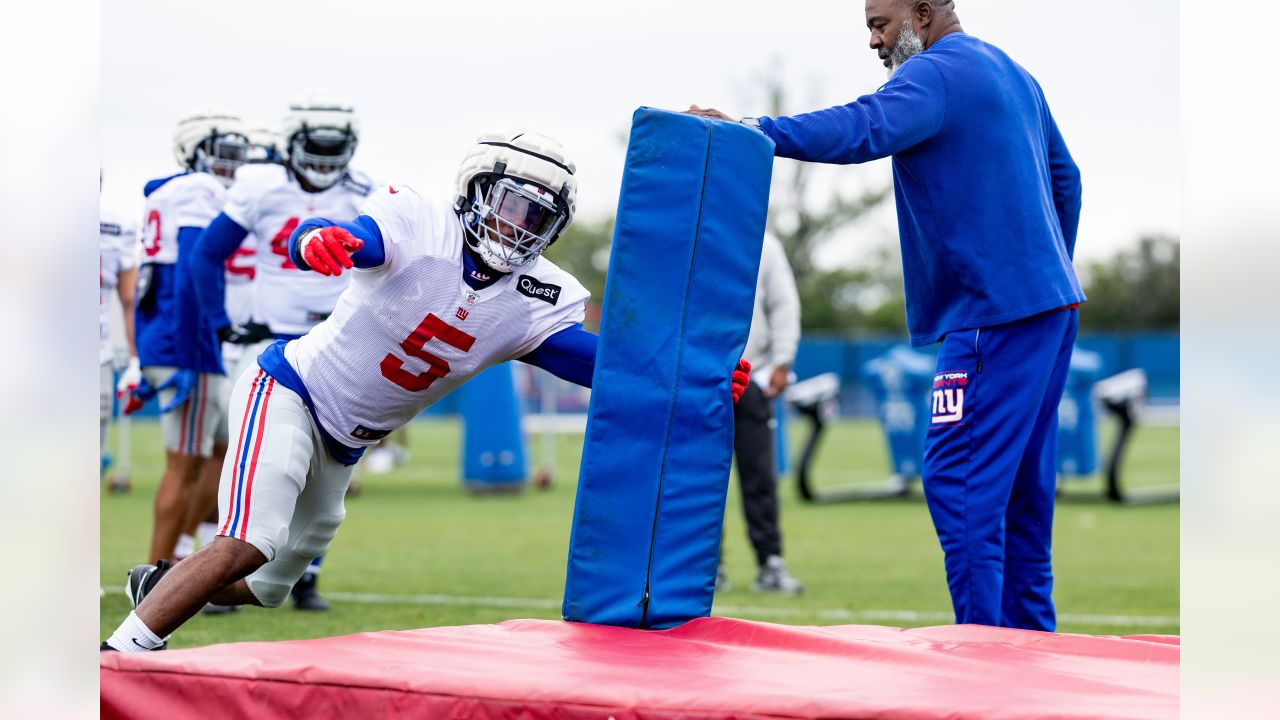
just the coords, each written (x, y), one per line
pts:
(212, 609)
(305, 596)
(143, 579)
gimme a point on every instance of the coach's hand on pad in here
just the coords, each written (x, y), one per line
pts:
(328, 250)
(708, 112)
(740, 379)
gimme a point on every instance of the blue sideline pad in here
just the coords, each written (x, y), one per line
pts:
(493, 443)
(677, 307)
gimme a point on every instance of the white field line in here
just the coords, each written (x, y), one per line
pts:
(740, 610)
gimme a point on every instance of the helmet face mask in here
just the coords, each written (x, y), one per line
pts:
(321, 155)
(220, 155)
(510, 222)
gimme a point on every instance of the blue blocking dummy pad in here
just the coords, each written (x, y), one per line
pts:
(677, 307)
(493, 452)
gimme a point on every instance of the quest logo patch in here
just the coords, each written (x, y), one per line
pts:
(545, 292)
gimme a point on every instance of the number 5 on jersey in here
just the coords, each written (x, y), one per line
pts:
(431, 327)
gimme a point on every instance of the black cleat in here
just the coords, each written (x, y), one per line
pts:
(143, 579)
(305, 596)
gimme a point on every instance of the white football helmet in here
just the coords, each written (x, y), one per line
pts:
(516, 194)
(319, 137)
(264, 145)
(213, 140)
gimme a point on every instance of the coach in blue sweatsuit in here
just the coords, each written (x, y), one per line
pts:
(988, 203)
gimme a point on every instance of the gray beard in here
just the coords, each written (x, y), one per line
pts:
(908, 46)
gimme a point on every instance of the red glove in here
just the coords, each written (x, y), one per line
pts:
(328, 250)
(741, 378)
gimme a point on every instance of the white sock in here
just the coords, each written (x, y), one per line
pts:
(186, 545)
(206, 532)
(134, 636)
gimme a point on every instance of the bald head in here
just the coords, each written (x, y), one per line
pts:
(902, 28)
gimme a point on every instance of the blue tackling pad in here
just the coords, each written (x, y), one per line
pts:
(677, 307)
(493, 443)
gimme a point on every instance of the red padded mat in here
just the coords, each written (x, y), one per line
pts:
(707, 668)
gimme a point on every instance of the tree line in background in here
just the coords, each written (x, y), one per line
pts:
(1134, 289)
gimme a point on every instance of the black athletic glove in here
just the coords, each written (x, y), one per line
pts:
(246, 334)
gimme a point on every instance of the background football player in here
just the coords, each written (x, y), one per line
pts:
(318, 139)
(440, 292)
(177, 353)
(241, 268)
(117, 273)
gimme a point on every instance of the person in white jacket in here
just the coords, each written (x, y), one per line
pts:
(771, 349)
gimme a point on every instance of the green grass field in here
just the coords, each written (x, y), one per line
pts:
(418, 551)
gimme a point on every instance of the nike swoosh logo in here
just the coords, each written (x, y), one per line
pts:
(135, 642)
(393, 190)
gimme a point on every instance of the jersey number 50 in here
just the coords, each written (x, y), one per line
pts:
(431, 327)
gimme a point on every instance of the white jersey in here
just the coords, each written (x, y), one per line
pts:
(188, 200)
(268, 202)
(241, 269)
(409, 332)
(117, 252)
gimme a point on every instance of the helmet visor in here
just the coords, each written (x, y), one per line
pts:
(324, 148)
(226, 153)
(526, 206)
(516, 221)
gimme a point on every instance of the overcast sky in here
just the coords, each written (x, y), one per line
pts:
(426, 81)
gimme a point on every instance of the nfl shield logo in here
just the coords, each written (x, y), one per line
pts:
(472, 298)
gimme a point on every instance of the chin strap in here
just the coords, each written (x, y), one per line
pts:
(475, 271)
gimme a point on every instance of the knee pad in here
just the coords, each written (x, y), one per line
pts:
(270, 592)
(314, 540)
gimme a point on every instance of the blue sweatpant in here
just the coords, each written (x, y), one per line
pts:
(989, 466)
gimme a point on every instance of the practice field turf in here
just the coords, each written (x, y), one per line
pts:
(416, 550)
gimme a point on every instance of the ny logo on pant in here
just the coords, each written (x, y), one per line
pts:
(948, 405)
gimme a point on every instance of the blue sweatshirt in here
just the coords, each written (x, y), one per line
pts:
(169, 329)
(988, 196)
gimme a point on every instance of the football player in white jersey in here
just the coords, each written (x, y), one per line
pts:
(319, 138)
(439, 293)
(117, 273)
(177, 352)
(241, 267)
